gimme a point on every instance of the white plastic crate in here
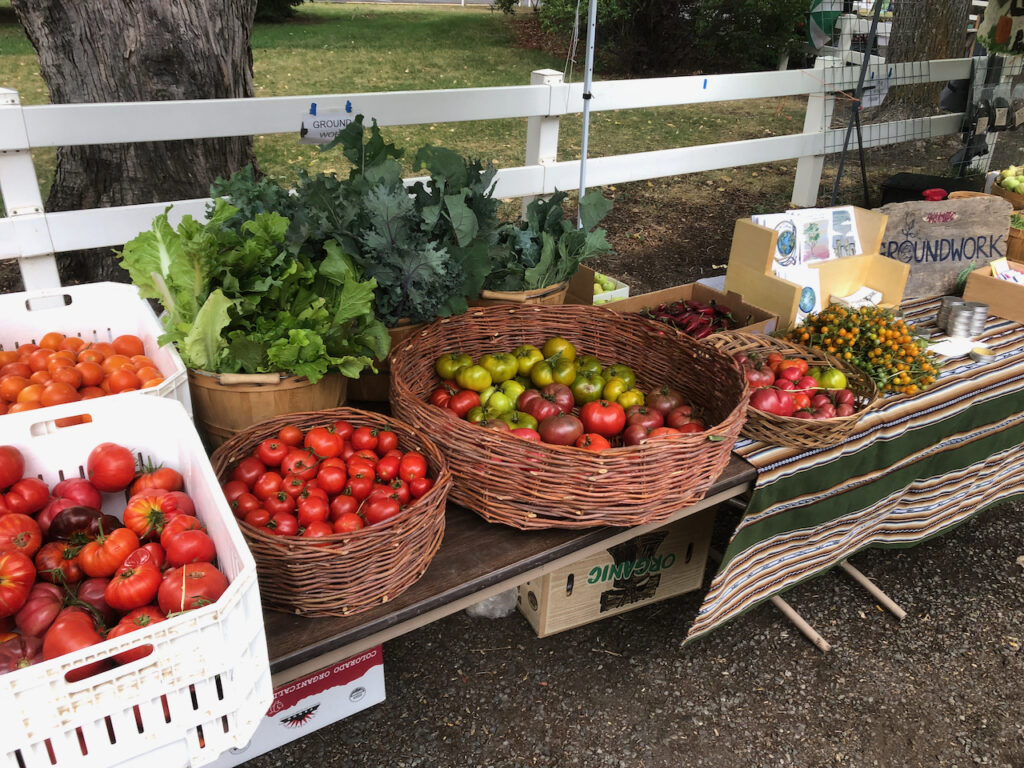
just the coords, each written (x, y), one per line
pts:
(95, 312)
(206, 685)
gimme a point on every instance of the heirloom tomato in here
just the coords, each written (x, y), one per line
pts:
(190, 586)
(591, 441)
(446, 365)
(102, 556)
(192, 545)
(500, 365)
(603, 417)
(463, 401)
(134, 583)
(40, 609)
(12, 466)
(556, 345)
(17, 575)
(560, 429)
(57, 563)
(526, 357)
(140, 618)
(110, 467)
(73, 630)
(27, 496)
(20, 652)
(158, 477)
(79, 490)
(20, 533)
(474, 377)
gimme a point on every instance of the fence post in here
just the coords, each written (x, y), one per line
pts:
(817, 120)
(23, 202)
(542, 132)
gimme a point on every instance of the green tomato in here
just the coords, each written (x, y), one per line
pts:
(524, 380)
(564, 371)
(631, 397)
(587, 388)
(513, 389)
(542, 374)
(502, 366)
(613, 388)
(621, 371)
(832, 378)
(526, 357)
(446, 365)
(486, 394)
(475, 414)
(474, 377)
(588, 364)
(519, 419)
(556, 345)
(497, 404)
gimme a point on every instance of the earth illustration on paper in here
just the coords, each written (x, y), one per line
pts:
(807, 299)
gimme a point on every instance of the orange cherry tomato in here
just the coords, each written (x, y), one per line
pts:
(40, 359)
(24, 350)
(156, 381)
(8, 356)
(31, 394)
(68, 375)
(41, 377)
(20, 407)
(11, 386)
(123, 379)
(73, 344)
(58, 392)
(19, 368)
(91, 355)
(88, 393)
(91, 373)
(51, 340)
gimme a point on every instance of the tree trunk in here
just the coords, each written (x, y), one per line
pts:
(924, 30)
(134, 50)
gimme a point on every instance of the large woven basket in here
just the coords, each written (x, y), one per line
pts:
(347, 573)
(533, 485)
(786, 430)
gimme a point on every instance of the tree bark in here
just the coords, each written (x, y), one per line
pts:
(924, 30)
(139, 50)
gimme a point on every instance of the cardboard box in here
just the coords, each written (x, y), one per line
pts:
(750, 269)
(651, 567)
(1004, 299)
(314, 701)
(754, 319)
(581, 289)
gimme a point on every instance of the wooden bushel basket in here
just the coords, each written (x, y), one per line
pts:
(226, 403)
(786, 430)
(346, 573)
(534, 485)
(550, 295)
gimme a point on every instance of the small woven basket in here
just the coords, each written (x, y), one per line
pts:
(534, 485)
(786, 430)
(344, 574)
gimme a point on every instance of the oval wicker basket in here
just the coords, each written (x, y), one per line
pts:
(786, 430)
(533, 485)
(347, 573)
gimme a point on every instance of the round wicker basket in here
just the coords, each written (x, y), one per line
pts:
(347, 573)
(786, 430)
(535, 485)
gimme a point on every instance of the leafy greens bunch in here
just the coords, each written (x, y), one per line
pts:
(241, 296)
(547, 248)
(427, 248)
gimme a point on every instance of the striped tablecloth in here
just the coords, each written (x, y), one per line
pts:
(918, 466)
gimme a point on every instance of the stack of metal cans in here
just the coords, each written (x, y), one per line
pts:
(961, 319)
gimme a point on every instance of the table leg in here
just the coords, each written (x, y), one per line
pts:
(873, 590)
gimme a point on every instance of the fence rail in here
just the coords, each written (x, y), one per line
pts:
(32, 236)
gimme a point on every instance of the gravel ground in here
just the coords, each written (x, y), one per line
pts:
(944, 687)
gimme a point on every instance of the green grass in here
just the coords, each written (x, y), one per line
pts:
(362, 48)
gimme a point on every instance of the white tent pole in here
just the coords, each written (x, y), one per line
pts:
(588, 76)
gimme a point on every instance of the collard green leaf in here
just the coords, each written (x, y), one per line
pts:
(463, 220)
(594, 206)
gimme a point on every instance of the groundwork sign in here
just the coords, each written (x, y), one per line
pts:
(939, 240)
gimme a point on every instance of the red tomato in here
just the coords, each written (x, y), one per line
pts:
(365, 439)
(463, 401)
(258, 517)
(102, 556)
(272, 451)
(283, 524)
(12, 466)
(592, 441)
(190, 546)
(27, 496)
(20, 533)
(73, 630)
(344, 429)
(158, 477)
(268, 484)
(412, 466)
(420, 485)
(57, 563)
(191, 586)
(347, 522)
(317, 530)
(293, 485)
(332, 478)
(17, 652)
(232, 489)
(324, 442)
(387, 468)
(299, 462)
(245, 504)
(140, 618)
(279, 503)
(377, 509)
(290, 435)
(400, 490)
(176, 526)
(157, 553)
(248, 470)
(37, 614)
(360, 484)
(79, 490)
(441, 396)
(134, 583)
(603, 417)
(343, 504)
(312, 510)
(386, 441)
(17, 575)
(110, 467)
(662, 432)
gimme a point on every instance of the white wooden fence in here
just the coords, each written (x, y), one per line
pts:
(32, 236)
